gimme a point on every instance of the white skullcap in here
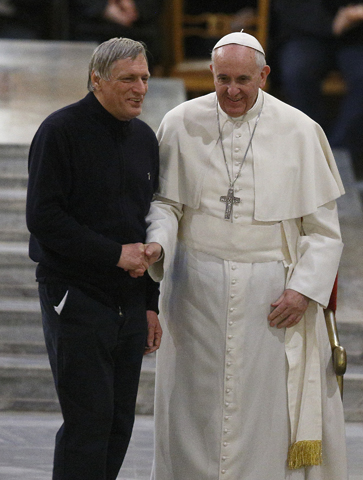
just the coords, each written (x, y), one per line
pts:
(240, 38)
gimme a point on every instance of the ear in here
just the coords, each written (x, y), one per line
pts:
(211, 67)
(264, 74)
(95, 79)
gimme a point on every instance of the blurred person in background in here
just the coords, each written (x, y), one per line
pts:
(310, 38)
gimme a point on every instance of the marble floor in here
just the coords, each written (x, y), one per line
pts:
(26, 446)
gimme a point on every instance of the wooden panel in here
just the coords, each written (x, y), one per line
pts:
(178, 26)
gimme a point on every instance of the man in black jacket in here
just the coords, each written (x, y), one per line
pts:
(93, 169)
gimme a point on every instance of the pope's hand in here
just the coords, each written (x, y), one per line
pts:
(133, 258)
(153, 252)
(288, 309)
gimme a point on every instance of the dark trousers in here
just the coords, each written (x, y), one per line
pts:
(95, 354)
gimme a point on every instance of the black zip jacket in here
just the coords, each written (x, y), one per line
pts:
(91, 181)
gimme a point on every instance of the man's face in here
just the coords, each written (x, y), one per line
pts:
(237, 78)
(124, 93)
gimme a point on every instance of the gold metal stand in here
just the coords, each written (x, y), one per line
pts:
(339, 353)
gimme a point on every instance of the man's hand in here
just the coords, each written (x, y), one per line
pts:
(133, 258)
(288, 309)
(153, 252)
(154, 332)
(123, 12)
(347, 18)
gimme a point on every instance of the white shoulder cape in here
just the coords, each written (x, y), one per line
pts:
(294, 168)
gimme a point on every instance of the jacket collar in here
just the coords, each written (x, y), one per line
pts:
(101, 115)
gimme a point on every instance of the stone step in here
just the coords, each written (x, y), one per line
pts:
(19, 312)
(18, 281)
(27, 384)
(17, 233)
(13, 220)
(12, 180)
(351, 338)
(13, 223)
(14, 254)
(353, 394)
(14, 152)
(22, 339)
(17, 271)
(13, 166)
(12, 199)
(19, 290)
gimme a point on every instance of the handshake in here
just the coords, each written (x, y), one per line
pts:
(136, 258)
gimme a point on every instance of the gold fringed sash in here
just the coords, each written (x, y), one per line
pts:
(305, 454)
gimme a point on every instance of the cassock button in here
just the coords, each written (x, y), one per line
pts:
(224, 458)
(232, 295)
(233, 282)
(228, 390)
(223, 471)
(225, 431)
(230, 337)
(225, 444)
(234, 267)
(238, 135)
(229, 364)
(227, 404)
(230, 323)
(231, 309)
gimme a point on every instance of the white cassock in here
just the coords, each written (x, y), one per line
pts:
(232, 393)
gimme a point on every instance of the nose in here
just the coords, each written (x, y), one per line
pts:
(233, 89)
(140, 86)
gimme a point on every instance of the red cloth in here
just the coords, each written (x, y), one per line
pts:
(333, 298)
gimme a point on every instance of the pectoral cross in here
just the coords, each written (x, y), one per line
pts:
(229, 200)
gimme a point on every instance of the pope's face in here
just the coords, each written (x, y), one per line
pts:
(237, 78)
(124, 93)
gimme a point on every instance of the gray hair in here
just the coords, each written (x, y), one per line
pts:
(109, 52)
(259, 57)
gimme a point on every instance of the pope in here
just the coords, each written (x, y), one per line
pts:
(246, 226)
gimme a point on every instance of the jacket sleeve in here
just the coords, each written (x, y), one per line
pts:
(48, 211)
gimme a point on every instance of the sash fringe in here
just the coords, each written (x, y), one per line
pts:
(305, 454)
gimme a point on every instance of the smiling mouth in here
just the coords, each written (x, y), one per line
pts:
(234, 100)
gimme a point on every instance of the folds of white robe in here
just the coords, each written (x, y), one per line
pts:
(221, 409)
